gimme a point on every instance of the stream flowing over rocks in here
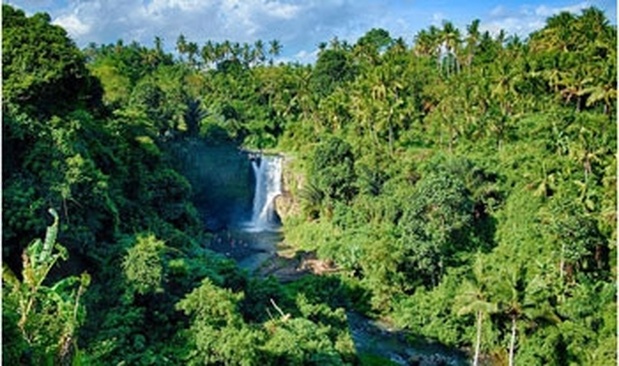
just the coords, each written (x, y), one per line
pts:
(254, 242)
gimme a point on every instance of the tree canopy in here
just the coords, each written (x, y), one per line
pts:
(461, 185)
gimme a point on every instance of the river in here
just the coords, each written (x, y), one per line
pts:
(252, 240)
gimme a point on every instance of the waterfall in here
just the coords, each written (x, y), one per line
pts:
(268, 173)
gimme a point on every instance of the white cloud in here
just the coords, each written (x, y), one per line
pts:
(303, 57)
(546, 11)
(300, 25)
(283, 11)
(306, 57)
(526, 19)
(73, 25)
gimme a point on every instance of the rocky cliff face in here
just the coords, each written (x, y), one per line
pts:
(288, 204)
(221, 180)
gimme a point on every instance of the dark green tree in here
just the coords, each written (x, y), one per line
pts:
(332, 169)
(42, 69)
(332, 68)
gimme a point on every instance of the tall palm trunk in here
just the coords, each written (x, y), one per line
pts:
(512, 342)
(478, 342)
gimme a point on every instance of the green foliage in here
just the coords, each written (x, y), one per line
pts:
(142, 265)
(16, 219)
(431, 312)
(513, 178)
(217, 330)
(43, 319)
(42, 68)
(435, 224)
(116, 86)
(332, 169)
(464, 187)
(375, 39)
(300, 342)
(332, 69)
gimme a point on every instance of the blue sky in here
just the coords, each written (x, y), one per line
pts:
(299, 25)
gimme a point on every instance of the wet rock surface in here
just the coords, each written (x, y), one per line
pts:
(256, 247)
(380, 339)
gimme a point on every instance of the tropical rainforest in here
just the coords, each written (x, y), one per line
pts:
(461, 183)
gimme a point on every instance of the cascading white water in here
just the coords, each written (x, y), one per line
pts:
(268, 173)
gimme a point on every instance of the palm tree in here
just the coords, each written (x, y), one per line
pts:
(192, 51)
(606, 94)
(303, 98)
(246, 54)
(521, 299)
(119, 46)
(91, 51)
(427, 43)
(321, 47)
(422, 43)
(544, 182)
(591, 24)
(236, 51)
(333, 109)
(472, 39)
(159, 45)
(150, 57)
(218, 53)
(274, 49)
(226, 49)
(474, 299)
(604, 89)
(501, 37)
(398, 46)
(450, 38)
(259, 51)
(194, 114)
(181, 45)
(584, 150)
(510, 290)
(557, 35)
(364, 110)
(335, 43)
(208, 53)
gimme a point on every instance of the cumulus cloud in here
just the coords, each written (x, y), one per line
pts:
(302, 57)
(73, 25)
(300, 25)
(525, 19)
(546, 11)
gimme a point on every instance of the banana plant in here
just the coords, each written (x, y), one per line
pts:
(48, 315)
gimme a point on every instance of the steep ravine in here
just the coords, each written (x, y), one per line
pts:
(258, 246)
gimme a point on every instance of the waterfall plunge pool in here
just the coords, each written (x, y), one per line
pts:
(251, 231)
(251, 238)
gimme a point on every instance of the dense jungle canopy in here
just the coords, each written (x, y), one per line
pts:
(463, 184)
